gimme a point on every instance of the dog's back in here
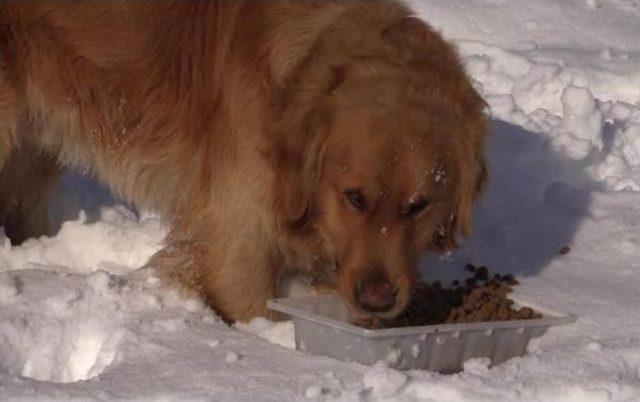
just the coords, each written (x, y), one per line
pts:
(125, 88)
(132, 90)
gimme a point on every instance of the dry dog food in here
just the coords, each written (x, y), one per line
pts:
(481, 297)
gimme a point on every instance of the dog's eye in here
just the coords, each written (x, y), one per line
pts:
(414, 208)
(356, 199)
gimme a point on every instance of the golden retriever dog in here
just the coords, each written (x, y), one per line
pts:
(341, 139)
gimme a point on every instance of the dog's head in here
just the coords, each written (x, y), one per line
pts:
(382, 168)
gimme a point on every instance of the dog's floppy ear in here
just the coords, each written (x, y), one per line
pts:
(472, 171)
(474, 174)
(300, 146)
(298, 169)
(460, 221)
(444, 239)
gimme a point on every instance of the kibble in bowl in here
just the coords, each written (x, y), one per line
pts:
(480, 298)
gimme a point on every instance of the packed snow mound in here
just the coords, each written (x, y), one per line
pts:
(119, 242)
(64, 300)
(64, 340)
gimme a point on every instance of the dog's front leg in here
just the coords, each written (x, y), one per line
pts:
(235, 280)
(177, 266)
(238, 282)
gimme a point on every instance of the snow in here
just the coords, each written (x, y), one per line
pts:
(579, 133)
(557, 67)
(231, 357)
(313, 391)
(383, 381)
(79, 320)
(279, 333)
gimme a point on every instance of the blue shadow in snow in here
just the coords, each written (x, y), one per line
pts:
(532, 208)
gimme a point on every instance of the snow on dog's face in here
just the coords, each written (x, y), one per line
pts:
(389, 190)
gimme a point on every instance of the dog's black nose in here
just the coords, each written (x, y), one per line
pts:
(375, 294)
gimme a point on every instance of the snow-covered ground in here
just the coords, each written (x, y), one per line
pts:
(562, 78)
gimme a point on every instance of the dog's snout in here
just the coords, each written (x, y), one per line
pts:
(375, 294)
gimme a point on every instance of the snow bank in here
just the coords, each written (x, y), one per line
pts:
(565, 69)
(64, 304)
(118, 242)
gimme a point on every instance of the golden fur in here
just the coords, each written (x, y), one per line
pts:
(244, 123)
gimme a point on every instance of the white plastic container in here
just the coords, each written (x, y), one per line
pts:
(322, 327)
